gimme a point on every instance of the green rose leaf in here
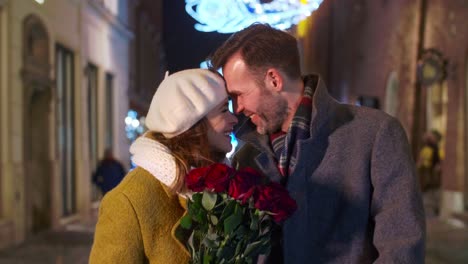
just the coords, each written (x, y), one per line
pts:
(197, 197)
(214, 219)
(261, 246)
(252, 248)
(207, 258)
(209, 200)
(233, 221)
(254, 222)
(186, 221)
(238, 248)
(228, 210)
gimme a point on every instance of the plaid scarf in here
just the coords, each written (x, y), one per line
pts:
(284, 144)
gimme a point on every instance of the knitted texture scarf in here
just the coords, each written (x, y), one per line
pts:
(155, 158)
(285, 144)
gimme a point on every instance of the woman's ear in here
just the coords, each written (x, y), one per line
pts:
(274, 80)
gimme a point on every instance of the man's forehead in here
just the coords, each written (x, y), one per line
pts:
(235, 85)
(231, 90)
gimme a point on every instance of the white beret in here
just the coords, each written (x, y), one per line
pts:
(183, 99)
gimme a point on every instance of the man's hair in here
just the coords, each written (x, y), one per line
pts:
(190, 149)
(261, 47)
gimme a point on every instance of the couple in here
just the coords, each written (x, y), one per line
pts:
(348, 168)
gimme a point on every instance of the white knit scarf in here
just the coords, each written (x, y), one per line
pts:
(155, 158)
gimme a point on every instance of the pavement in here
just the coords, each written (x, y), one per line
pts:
(447, 242)
(69, 246)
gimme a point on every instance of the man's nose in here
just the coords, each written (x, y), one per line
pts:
(238, 107)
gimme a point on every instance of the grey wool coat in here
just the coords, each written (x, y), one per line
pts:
(354, 184)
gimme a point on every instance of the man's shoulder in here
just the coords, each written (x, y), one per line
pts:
(369, 116)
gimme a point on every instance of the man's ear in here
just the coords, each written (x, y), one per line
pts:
(274, 80)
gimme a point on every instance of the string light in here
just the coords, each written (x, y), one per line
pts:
(229, 16)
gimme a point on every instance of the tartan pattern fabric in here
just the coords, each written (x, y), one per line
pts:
(284, 144)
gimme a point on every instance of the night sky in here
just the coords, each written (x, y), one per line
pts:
(186, 47)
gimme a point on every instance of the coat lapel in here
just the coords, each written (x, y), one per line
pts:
(179, 234)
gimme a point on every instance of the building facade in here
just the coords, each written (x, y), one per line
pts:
(148, 61)
(63, 100)
(408, 58)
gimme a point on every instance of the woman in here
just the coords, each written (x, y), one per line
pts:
(189, 126)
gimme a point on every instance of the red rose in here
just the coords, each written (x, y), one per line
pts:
(195, 179)
(243, 184)
(217, 177)
(275, 198)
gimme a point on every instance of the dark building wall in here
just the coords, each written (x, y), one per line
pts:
(447, 31)
(356, 44)
(148, 56)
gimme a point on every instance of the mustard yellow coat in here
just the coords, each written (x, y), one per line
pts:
(136, 223)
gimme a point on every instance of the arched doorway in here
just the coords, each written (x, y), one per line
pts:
(36, 122)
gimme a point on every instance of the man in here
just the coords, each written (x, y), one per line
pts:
(349, 168)
(109, 172)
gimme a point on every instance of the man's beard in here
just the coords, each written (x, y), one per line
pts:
(272, 112)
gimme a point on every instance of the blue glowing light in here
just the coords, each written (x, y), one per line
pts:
(230, 16)
(234, 141)
(134, 126)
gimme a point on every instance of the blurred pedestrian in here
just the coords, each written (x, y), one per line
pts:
(429, 161)
(109, 172)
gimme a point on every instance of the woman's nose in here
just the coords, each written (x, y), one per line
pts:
(234, 120)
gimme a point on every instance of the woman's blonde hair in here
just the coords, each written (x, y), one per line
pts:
(190, 149)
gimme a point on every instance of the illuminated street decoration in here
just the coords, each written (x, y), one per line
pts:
(229, 16)
(134, 126)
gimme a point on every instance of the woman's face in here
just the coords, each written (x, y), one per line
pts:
(220, 125)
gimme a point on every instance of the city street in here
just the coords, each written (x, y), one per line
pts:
(446, 243)
(375, 84)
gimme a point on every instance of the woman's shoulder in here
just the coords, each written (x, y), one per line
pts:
(144, 194)
(139, 184)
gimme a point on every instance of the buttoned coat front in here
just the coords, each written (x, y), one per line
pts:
(354, 184)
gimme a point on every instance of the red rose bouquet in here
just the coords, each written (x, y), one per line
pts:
(232, 213)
